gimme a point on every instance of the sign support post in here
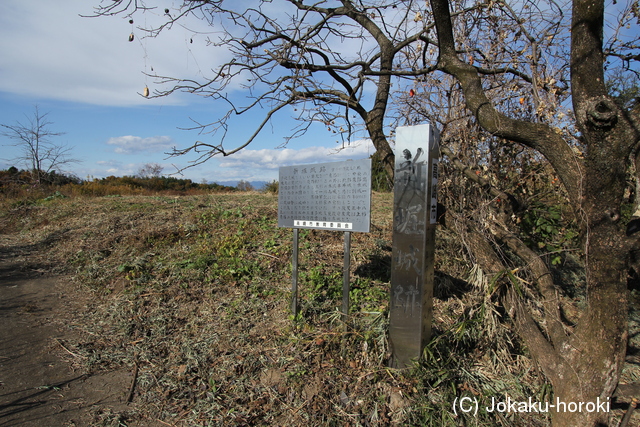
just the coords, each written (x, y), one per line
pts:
(414, 225)
(294, 275)
(345, 277)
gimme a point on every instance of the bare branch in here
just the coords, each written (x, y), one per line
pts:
(543, 278)
(34, 138)
(538, 136)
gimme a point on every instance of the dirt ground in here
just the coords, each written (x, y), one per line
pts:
(38, 383)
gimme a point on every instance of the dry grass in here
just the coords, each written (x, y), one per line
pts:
(194, 290)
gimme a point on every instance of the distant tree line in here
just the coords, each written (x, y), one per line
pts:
(15, 176)
(162, 183)
(15, 182)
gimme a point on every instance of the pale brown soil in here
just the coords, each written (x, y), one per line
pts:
(39, 384)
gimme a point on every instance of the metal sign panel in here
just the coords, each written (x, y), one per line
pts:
(415, 216)
(326, 196)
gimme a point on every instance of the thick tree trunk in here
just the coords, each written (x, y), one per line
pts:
(593, 357)
(583, 364)
(598, 347)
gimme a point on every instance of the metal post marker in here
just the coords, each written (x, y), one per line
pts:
(414, 225)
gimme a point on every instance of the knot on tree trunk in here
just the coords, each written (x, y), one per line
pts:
(613, 215)
(602, 113)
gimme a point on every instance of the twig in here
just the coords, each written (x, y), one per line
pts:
(149, 294)
(269, 255)
(69, 351)
(388, 371)
(627, 416)
(133, 381)
(375, 371)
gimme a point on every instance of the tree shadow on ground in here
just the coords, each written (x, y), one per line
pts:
(447, 286)
(378, 267)
(31, 398)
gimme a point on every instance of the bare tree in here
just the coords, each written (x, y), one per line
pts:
(39, 153)
(244, 186)
(529, 78)
(150, 170)
(289, 63)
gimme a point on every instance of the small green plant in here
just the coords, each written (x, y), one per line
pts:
(137, 271)
(270, 243)
(54, 196)
(199, 262)
(368, 295)
(232, 213)
(323, 285)
(544, 229)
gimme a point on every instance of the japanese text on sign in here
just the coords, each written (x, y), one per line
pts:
(331, 196)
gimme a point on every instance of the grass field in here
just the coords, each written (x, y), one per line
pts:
(195, 291)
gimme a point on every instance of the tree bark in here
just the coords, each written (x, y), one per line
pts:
(582, 364)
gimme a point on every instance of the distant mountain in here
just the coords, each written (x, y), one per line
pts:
(258, 185)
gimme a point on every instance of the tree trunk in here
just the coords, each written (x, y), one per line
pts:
(597, 349)
(582, 364)
(593, 357)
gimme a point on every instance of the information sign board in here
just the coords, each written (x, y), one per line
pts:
(326, 196)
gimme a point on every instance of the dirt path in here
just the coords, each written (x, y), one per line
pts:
(38, 386)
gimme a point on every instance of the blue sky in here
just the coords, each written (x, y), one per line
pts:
(88, 77)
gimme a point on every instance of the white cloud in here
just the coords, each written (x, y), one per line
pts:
(106, 163)
(263, 165)
(104, 168)
(134, 144)
(49, 51)
(274, 158)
